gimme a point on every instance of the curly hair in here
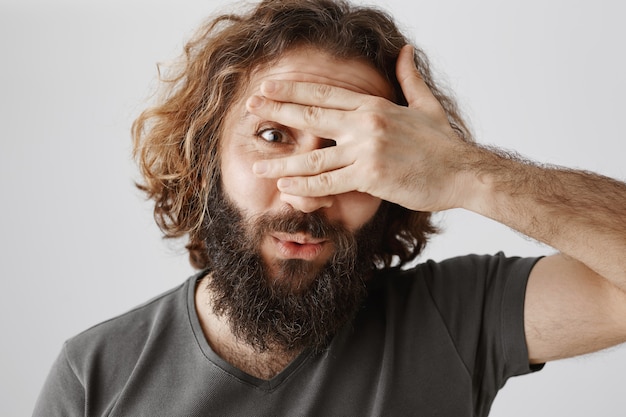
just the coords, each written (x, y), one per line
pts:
(176, 140)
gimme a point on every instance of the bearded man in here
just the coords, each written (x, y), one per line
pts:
(301, 147)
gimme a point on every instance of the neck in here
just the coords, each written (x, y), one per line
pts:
(262, 365)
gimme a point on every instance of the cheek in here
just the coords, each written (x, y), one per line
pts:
(246, 190)
(357, 208)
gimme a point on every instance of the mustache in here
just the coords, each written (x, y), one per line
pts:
(315, 224)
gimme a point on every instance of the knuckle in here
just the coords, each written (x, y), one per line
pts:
(276, 107)
(311, 114)
(376, 146)
(314, 160)
(276, 167)
(321, 92)
(270, 108)
(325, 181)
(374, 121)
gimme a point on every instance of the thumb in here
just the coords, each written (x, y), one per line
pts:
(413, 86)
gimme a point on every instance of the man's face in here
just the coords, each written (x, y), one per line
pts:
(247, 139)
(288, 272)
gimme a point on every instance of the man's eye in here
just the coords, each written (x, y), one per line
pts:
(272, 135)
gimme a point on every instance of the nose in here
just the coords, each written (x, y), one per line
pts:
(307, 204)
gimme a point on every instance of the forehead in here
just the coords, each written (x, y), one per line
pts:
(313, 65)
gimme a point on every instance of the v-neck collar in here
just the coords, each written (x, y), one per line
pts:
(215, 359)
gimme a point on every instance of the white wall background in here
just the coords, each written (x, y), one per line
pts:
(78, 244)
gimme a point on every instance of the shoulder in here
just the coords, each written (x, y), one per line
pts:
(476, 301)
(134, 318)
(469, 279)
(122, 338)
(96, 365)
(460, 268)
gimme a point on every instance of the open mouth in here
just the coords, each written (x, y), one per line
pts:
(298, 246)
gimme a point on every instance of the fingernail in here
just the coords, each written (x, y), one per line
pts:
(255, 101)
(269, 86)
(283, 183)
(259, 167)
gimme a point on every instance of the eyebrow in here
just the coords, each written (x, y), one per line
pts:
(247, 115)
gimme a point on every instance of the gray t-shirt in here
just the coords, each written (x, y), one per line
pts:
(437, 340)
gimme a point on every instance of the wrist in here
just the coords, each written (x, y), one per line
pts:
(477, 178)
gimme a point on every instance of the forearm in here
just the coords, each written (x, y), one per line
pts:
(581, 214)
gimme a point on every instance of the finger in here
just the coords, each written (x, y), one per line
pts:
(312, 94)
(413, 86)
(319, 121)
(304, 164)
(327, 183)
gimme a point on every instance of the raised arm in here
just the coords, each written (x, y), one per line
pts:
(576, 299)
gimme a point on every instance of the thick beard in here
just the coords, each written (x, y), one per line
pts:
(303, 305)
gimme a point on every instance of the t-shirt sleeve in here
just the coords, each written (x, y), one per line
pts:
(481, 300)
(62, 394)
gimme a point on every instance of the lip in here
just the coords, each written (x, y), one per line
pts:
(298, 246)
